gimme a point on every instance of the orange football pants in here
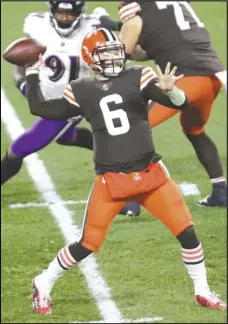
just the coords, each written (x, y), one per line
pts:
(165, 203)
(201, 92)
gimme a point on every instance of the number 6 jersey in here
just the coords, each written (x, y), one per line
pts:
(116, 109)
(62, 59)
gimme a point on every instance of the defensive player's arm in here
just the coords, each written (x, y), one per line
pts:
(104, 20)
(20, 78)
(175, 99)
(57, 109)
(132, 26)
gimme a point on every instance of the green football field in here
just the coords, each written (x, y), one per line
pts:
(139, 272)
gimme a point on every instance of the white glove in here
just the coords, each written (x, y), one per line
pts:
(99, 12)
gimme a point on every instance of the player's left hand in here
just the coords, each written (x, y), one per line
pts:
(36, 65)
(167, 81)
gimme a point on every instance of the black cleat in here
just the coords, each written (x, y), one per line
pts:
(131, 209)
(213, 201)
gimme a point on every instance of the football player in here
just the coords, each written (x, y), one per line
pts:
(166, 31)
(117, 112)
(60, 30)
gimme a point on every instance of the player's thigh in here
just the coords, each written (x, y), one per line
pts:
(101, 209)
(201, 92)
(157, 114)
(168, 206)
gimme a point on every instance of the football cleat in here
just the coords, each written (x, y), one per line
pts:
(213, 201)
(212, 300)
(41, 300)
(131, 209)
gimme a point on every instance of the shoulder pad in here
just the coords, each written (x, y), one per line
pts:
(37, 14)
(31, 22)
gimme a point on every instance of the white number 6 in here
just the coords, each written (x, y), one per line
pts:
(110, 115)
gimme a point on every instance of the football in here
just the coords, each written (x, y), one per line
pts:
(23, 51)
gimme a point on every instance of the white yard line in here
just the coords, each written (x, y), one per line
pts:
(46, 204)
(140, 320)
(39, 174)
(187, 189)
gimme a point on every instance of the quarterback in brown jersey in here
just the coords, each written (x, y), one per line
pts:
(114, 101)
(166, 31)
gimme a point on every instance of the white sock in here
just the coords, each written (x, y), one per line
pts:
(217, 180)
(193, 259)
(61, 263)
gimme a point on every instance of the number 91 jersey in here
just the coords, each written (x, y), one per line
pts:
(62, 59)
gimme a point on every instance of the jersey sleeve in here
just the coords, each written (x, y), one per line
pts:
(55, 109)
(148, 75)
(149, 91)
(128, 10)
(33, 24)
(69, 96)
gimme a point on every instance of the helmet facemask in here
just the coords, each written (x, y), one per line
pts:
(65, 28)
(109, 60)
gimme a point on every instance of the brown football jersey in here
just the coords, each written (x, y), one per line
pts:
(116, 109)
(172, 32)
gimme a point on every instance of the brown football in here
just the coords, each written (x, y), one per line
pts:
(23, 51)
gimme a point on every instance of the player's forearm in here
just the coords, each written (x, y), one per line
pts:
(107, 22)
(20, 78)
(130, 32)
(57, 109)
(176, 99)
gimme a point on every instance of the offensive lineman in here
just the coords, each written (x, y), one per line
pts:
(171, 32)
(117, 112)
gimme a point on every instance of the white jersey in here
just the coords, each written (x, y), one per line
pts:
(62, 60)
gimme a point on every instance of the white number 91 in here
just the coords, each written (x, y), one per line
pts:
(110, 115)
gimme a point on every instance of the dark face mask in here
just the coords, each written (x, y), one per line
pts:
(64, 25)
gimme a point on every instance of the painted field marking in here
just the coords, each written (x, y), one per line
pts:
(46, 204)
(189, 189)
(186, 188)
(140, 320)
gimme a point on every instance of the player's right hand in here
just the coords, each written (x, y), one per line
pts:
(36, 65)
(166, 81)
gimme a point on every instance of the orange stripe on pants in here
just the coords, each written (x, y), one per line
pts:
(201, 92)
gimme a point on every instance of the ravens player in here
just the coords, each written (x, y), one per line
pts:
(117, 112)
(171, 31)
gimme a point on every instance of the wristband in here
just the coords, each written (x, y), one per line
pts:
(177, 96)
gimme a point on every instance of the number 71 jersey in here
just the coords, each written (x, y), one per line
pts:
(172, 32)
(62, 59)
